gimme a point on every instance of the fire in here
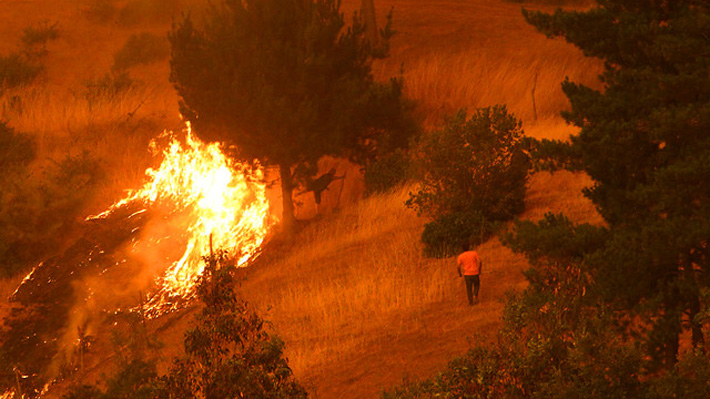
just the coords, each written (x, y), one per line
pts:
(219, 203)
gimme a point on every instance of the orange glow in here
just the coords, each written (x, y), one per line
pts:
(211, 195)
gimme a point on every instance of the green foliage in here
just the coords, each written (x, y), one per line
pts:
(287, 82)
(474, 175)
(17, 70)
(143, 48)
(39, 35)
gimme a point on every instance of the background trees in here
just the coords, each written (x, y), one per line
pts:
(287, 82)
(474, 172)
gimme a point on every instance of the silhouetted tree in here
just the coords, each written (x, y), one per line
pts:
(474, 172)
(287, 82)
(644, 141)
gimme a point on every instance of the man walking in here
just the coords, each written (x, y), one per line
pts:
(471, 265)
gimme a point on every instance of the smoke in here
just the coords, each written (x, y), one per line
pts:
(123, 287)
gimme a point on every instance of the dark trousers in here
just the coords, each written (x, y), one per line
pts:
(475, 282)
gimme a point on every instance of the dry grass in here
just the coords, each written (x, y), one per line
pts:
(358, 305)
(442, 83)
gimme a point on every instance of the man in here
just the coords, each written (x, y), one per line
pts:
(471, 265)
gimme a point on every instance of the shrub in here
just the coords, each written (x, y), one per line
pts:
(16, 150)
(474, 173)
(39, 35)
(140, 11)
(143, 48)
(108, 87)
(16, 70)
(37, 214)
(443, 236)
(227, 353)
(102, 11)
(387, 172)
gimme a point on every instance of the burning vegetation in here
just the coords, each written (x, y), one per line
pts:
(207, 200)
(153, 241)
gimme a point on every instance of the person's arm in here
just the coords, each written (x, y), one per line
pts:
(458, 266)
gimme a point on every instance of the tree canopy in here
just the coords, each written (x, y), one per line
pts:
(474, 172)
(644, 142)
(287, 82)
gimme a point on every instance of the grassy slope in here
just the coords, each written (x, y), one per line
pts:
(358, 306)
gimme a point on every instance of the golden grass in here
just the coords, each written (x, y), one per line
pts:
(528, 84)
(358, 305)
(355, 299)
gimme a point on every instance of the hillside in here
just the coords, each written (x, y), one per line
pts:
(359, 307)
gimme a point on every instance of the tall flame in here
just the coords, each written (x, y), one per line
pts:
(223, 202)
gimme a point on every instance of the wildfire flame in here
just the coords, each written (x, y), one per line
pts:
(223, 203)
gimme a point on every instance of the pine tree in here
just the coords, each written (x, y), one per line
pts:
(644, 141)
(287, 82)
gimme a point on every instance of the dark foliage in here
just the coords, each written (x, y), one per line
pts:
(143, 48)
(17, 70)
(474, 173)
(34, 36)
(644, 142)
(287, 82)
(387, 172)
(108, 87)
(228, 353)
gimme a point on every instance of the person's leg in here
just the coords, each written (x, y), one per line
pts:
(469, 284)
(476, 285)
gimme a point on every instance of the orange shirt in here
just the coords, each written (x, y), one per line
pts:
(470, 263)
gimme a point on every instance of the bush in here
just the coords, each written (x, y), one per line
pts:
(143, 48)
(141, 11)
(16, 70)
(133, 12)
(108, 87)
(474, 173)
(387, 172)
(102, 11)
(39, 35)
(227, 353)
(443, 236)
(16, 150)
(37, 214)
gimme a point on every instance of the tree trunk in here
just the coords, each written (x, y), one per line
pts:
(368, 17)
(289, 220)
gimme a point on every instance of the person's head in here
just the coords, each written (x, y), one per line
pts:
(464, 246)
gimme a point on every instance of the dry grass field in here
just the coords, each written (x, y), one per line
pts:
(359, 307)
